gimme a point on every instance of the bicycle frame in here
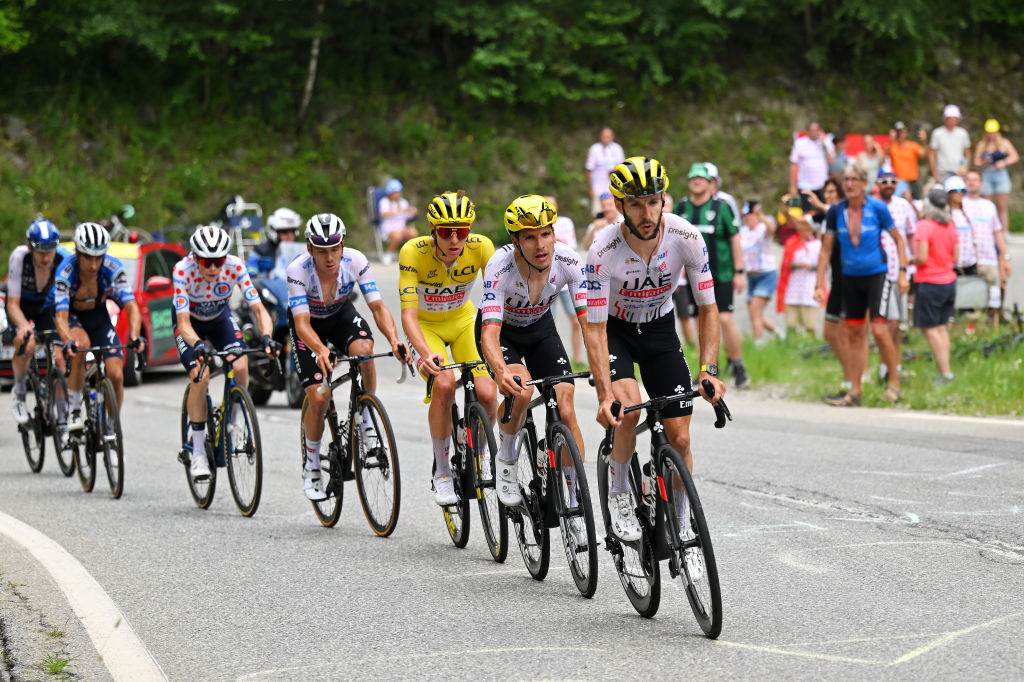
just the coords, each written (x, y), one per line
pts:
(215, 416)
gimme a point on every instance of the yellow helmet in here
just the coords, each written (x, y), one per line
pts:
(451, 208)
(529, 211)
(638, 176)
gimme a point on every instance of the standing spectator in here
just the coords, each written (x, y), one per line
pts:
(993, 155)
(395, 214)
(950, 146)
(795, 296)
(835, 167)
(756, 233)
(904, 217)
(565, 232)
(871, 161)
(855, 226)
(602, 158)
(993, 257)
(608, 215)
(936, 248)
(719, 193)
(967, 263)
(903, 156)
(809, 162)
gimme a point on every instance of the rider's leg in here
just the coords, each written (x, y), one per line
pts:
(564, 396)
(507, 432)
(114, 368)
(439, 417)
(627, 392)
(313, 423)
(677, 429)
(19, 363)
(367, 369)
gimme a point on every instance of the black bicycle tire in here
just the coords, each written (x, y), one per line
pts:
(479, 422)
(55, 378)
(202, 497)
(85, 457)
(709, 619)
(382, 425)
(586, 584)
(526, 451)
(114, 478)
(335, 486)
(32, 430)
(457, 521)
(246, 507)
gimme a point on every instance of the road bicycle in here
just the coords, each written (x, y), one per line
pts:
(545, 490)
(472, 473)
(232, 437)
(653, 488)
(345, 446)
(47, 407)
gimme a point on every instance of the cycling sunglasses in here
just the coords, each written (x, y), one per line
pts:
(212, 262)
(448, 232)
(322, 243)
(43, 247)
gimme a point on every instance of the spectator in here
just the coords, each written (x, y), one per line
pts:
(904, 217)
(871, 161)
(950, 146)
(718, 193)
(903, 156)
(395, 213)
(756, 233)
(967, 263)
(993, 155)
(608, 215)
(993, 257)
(602, 158)
(795, 296)
(835, 168)
(936, 248)
(565, 232)
(809, 162)
(268, 262)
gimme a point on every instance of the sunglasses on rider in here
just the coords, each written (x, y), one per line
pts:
(212, 262)
(448, 232)
(324, 243)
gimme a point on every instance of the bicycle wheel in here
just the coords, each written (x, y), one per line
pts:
(377, 475)
(57, 414)
(634, 561)
(693, 559)
(332, 460)
(83, 442)
(111, 444)
(456, 516)
(582, 559)
(202, 491)
(32, 432)
(492, 513)
(244, 451)
(528, 518)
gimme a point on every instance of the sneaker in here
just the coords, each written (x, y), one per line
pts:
(199, 469)
(444, 491)
(623, 520)
(313, 486)
(508, 485)
(76, 422)
(742, 378)
(19, 409)
(578, 530)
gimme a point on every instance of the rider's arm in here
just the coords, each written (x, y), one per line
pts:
(708, 333)
(134, 319)
(62, 302)
(17, 317)
(252, 299)
(490, 345)
(185, 327)
(61, 322)
(14, 313)
(385, 323)
(595, 333)
(408, 281)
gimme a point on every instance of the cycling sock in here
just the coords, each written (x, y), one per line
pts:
(570, 484)
(20, 384)
(367, 420)
(618, 473)
(507, 448)
(198, 439)
(312, 455)
(74, 399)
(682, 509)
(444, 467)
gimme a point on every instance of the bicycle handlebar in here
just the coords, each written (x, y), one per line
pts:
(722, 413)
(509, 400)
(351, 359)
(454, 365)
(225, 354)
(554, 379)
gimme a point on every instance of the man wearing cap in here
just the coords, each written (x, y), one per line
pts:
(904, 218)
(602, 157)
(809, 162)
(993, 256)
(719, 193)
(950, 146)
(903, 156)
(395, 214)
(714, 220)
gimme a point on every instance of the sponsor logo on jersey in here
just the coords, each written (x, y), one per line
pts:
(566, 259)
(646, 288)
(432, 273)
(180, 302)
(364, 270)
(407, 268)
(292, 280)
(492, 309)
(611, 245)
(594, 269)
(487, 284)
(489, 296)
(596, 302)
(251, 295)
(221, 289)
(706, 284)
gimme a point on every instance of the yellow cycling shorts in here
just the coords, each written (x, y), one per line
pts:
(456, 332)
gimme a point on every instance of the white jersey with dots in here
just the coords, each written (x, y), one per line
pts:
(208, 300)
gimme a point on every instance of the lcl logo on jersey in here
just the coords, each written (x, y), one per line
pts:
(468, 270)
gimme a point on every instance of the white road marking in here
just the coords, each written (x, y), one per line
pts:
(791, 527)
(947, 418)
(974, 470)
(124, 654)
(895, 499)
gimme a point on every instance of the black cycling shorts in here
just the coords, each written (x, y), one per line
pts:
(866, 295)
(99, 328)
(222, 333)
(834, 310)
(539, 345)
(42, 319)
(340, 329)
(655, 347)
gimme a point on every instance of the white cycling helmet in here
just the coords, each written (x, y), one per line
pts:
(282, 220)
(325, 229)
(92, 239)
(210, 241)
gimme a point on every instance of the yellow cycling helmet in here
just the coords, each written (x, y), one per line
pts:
(529, 211)
(638, 176)
(451, 208)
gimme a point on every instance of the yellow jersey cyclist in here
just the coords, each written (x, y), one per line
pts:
(203, 282)
(518, 335)
(320, 311)
(632, 269)
(436, 274)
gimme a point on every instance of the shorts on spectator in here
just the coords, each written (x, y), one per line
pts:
(867, 295)
(762, 284)
(995, 181)
(991, 275)
(807, 317)
(683, 302)
(834, 310)
(933, 304)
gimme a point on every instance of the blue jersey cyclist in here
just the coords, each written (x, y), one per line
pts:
(81, 289)
(270, 259)
(203, 281)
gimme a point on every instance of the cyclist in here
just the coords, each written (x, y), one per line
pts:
(632, 268)
(320, 310)
(30, 276)
(203, 281)
(518, 335)
(270, 258)
(81, 288)
(435, 276)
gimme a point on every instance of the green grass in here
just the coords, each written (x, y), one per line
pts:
(55, 632)
(54, 664)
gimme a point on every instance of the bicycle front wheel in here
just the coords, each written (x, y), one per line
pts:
(57, 408)
(332, 467)
(33, 437)
(492, 513)
(202, 491)
(693, 559)
(83, 442)
(376, 460)
(244, 451)
(111, 444)
(531, 531)
(575, 512)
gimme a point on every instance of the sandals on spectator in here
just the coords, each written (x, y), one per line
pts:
(891, 394)
(847, 400)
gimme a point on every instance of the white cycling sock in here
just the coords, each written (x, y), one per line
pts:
(618, 474)
(570, 484)
(312, 455)
(198, 441)
(507, 448)
(74, 399)
(441, 445)
(20, 384)
(367, 420)
(682, 509)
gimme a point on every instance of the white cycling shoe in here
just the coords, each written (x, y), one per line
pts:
(76, 422)
(623, 520)
(199, 469)
(507, 484)
(314, 485)
(578, 529)
(444, 491)
(20, 409)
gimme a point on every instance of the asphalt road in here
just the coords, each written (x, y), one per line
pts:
(857, 544)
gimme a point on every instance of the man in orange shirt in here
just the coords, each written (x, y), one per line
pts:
(903, 157)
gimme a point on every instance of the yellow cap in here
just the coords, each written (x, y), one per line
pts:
(991, 126)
